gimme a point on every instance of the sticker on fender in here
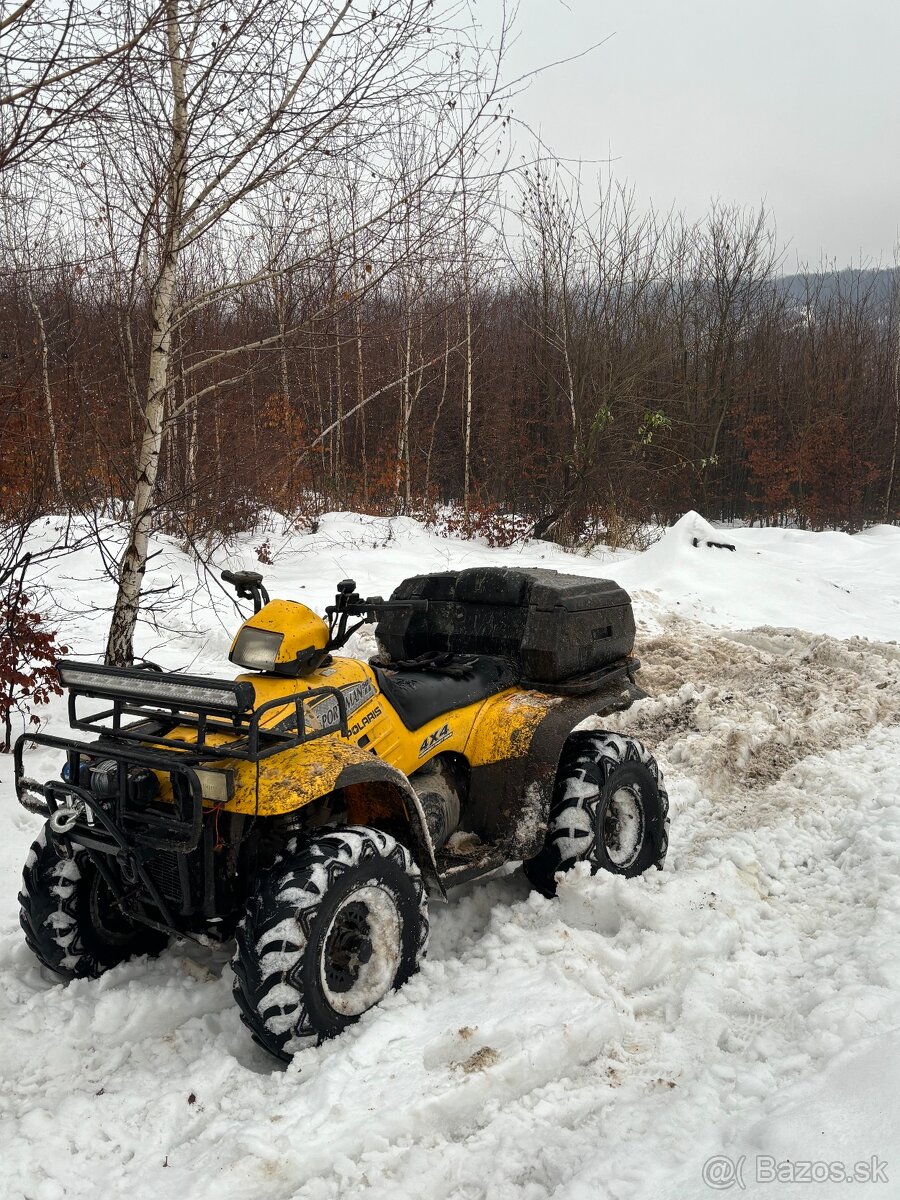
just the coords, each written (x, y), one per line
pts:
(435, 739)
(327, 712)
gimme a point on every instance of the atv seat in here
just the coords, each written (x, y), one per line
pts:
(419, 695)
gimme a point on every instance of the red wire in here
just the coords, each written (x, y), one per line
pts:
(219, 843)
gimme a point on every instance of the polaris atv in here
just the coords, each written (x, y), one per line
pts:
(308, 807)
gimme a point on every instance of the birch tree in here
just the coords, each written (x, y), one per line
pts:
(224, 101)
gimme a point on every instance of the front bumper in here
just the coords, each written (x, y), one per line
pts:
(136, 849)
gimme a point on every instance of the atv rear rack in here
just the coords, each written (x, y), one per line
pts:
(162, 702)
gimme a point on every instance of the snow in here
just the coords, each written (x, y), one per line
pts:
(835, 583)
(378, 972)
(745, 1002)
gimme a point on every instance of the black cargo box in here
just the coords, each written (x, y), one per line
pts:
(553, 626)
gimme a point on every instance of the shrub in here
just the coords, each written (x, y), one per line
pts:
(27, 654)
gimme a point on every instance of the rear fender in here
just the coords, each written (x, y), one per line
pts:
(514, 752)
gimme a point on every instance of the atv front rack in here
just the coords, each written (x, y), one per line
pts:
(162, 702)
(169, 724)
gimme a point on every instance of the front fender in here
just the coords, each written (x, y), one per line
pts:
(292, 778)
(368, 771)
(295, 778)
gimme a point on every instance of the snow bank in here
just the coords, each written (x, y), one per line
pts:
(834, 583)
(745, 1001)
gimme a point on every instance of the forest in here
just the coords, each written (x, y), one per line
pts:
(593, 372)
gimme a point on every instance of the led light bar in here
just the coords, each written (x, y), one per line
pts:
(191, 692)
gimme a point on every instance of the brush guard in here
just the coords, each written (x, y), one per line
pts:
(112, 829)
(128, 840)
(115, 821)
(134, 849)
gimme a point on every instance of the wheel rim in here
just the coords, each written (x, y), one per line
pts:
(622, 826)
(106, 917)
(361, 951)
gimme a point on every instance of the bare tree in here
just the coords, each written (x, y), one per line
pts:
(223, 103)
(59, 64)
(589, 278)
(895, 388)
(35, 255)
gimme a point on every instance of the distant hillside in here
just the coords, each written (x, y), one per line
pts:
(876, 281)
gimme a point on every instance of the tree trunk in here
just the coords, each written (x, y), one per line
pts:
(889, 498)
(48, 395)
(360, 395)
(405, 406)
(120, 645)
(467, 448)
(340, 452)
(570, 378)
(437, 412)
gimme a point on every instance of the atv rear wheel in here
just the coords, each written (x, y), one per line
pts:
(610, 809)
(333, 927)
(70, 916)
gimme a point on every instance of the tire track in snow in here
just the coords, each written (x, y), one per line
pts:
(634, 1025)
(735, 712)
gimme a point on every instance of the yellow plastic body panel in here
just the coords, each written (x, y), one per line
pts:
(491, 730)
(506, 726)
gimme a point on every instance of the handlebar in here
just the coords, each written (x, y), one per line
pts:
(248, 585)
(349, 604)
(375, 604)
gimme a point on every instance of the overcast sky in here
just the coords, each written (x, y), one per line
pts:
(794, 102)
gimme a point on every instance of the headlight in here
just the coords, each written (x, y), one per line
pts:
(256, 649)
(217, 786)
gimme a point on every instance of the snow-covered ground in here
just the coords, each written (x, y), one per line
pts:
(743, 1003)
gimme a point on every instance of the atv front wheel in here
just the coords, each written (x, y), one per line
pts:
(333, 927)
(609, 808)
(70, 916)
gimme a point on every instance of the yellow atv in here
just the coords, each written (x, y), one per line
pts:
(307, 807)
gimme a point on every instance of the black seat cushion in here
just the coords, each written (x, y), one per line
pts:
(418, 696)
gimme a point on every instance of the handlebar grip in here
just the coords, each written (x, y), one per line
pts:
(243, 578)
(363, 607)
(379, 605)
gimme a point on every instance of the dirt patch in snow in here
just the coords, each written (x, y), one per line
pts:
(740, 709)
(479, 1061)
